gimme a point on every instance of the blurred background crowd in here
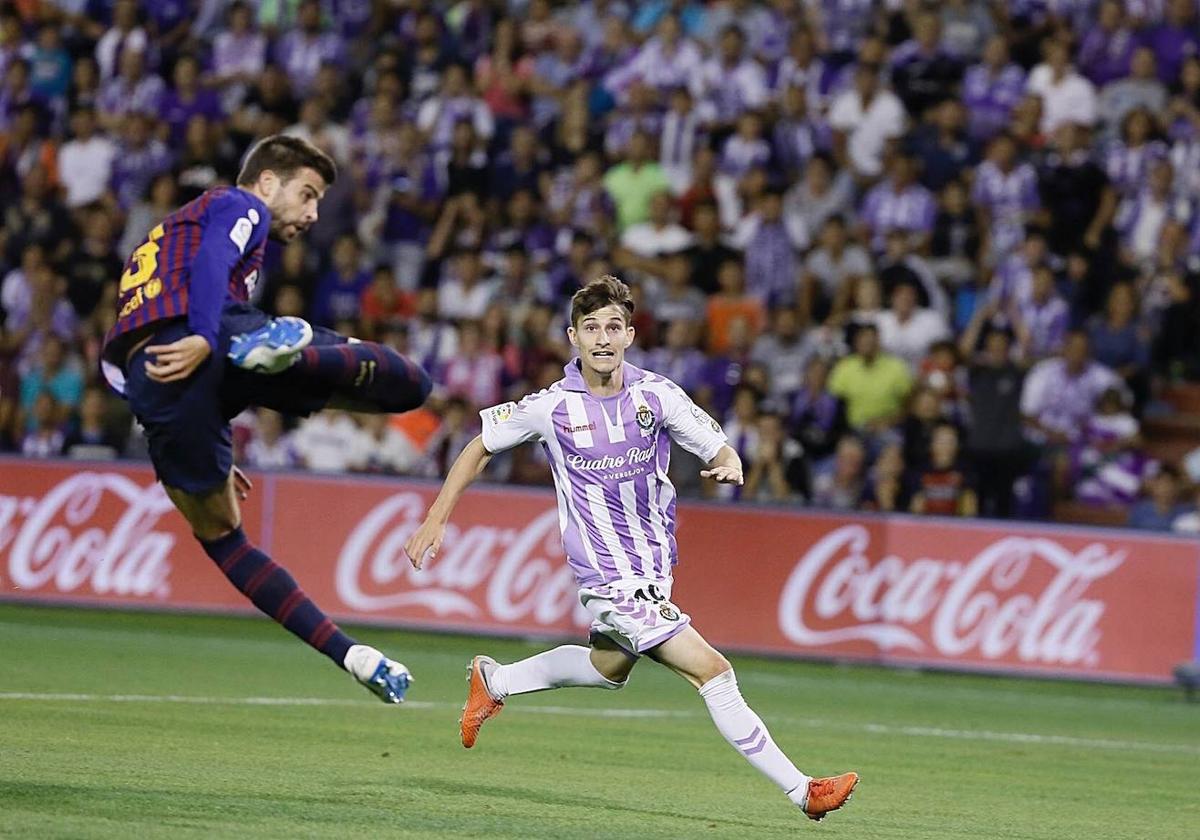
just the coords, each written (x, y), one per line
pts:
(929, 257)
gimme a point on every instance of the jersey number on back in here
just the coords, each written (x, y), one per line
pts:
(143, 263)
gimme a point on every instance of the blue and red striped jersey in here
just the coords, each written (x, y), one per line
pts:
(205, 253)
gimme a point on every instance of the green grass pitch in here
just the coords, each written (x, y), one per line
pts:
(145, 726)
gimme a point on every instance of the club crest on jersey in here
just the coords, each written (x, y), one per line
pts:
(668, 612)
(645, 419)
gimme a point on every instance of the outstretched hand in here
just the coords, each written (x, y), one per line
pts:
(426, 539)
(177, 360)
(723, 475)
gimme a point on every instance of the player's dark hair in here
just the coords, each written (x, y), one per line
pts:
(605, 290)
(285, 156)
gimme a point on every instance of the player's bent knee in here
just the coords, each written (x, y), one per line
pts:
(424, 386)
(718, 666)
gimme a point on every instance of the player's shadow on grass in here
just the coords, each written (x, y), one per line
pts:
(442, 786)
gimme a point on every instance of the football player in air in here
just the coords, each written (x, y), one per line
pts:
(189, 352)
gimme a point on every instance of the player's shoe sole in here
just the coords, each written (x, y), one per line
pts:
(273, 347)
(480, 704)
(828, 794)
(385, 678)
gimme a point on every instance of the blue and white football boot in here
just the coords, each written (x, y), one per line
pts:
(385, 678)
(273, 347)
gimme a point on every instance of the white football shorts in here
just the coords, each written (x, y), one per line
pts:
(636, 614)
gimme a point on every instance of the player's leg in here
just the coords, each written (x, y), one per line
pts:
(216, 521)
(694, 659)
(287, 356)
(191, 448)
(603, 665)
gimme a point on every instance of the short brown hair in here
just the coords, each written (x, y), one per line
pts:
(601, 292)
(285, 155)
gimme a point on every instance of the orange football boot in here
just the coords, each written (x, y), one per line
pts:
(828, 794)
(480, 704)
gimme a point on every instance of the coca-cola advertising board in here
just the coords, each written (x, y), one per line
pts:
(1058, 601)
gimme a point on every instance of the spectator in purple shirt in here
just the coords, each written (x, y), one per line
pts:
(132, 90)
(140, 158)
(339, 293)
(746, 149)
(772, 265)
(1006, 194)
(1174, 39)
(678, 358)
(845, 22)
(666, 61)
(991, 90)
(1012, 284)
(239, 52)
(1107, 45)
(1041, 321)
(186, 98)
(303, 50)
(899, 203)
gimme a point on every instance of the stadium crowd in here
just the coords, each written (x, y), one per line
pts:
(932, 257)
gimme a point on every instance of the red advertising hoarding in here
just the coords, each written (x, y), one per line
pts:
(1052, 600)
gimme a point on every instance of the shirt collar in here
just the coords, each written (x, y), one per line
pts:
(573, 379)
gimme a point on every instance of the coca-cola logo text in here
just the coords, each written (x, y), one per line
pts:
(520, 569)
(973, 607)
(54, 542)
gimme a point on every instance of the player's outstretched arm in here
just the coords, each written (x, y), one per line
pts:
(725, 467)
(427, 539)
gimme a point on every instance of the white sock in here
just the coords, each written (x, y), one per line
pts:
(748, 734)
(568, 665)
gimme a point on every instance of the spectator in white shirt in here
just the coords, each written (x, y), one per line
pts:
(327, 442)
(271, 447)
(465, 294)
(660, 235)
(1067, 97)
(85, 162)
(908, 331)
(864, 119)
(381, 448)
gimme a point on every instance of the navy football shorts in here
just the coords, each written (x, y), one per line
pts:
(187, 422)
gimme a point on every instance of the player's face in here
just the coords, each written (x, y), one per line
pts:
(293, 204)
(601, 338)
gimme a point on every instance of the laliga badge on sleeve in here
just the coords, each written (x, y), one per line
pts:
(703, 418)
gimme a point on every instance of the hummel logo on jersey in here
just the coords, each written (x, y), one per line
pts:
(582, 427)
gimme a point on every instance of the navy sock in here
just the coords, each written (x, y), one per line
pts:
(276, 593)
(369, 372)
